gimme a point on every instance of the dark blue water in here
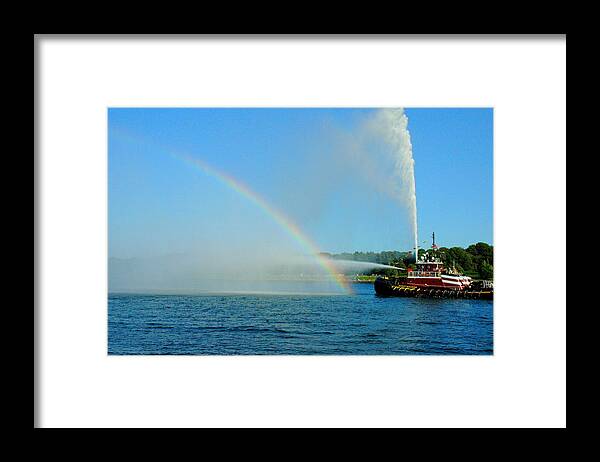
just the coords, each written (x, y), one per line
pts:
(359, 324)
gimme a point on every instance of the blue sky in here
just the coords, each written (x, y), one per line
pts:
(159, 204)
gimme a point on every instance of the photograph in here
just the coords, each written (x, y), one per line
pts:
(300, 230)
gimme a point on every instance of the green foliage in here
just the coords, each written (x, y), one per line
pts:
(476, 261)
(486, 271)
(365, 278)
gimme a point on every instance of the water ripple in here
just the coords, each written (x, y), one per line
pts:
(361, 324)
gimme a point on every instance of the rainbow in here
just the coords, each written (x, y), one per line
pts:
(284, 222)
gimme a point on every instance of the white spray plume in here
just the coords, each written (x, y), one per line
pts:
(393, 124)
(381, 151)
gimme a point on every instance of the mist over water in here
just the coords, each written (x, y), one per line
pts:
(206, 272)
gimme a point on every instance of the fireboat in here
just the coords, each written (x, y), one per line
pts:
(431, 279)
